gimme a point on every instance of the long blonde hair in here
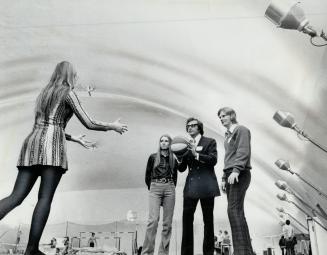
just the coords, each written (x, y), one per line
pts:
(170, 153)
(61, 82)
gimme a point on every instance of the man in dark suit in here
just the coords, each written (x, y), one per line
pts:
(201, 184)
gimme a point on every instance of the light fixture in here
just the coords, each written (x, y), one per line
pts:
(283, 197)
(284, 186)
(288, 14)
(322, 211)
(280, 209)
(285, 165)
(286, 119)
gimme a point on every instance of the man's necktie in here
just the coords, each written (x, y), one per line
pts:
(228, 134)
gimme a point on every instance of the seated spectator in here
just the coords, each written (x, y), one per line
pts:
(226, 238)
(57, 251)
(217, 247)
(53, 243)
(220, 237)
(226, 243)
(92, 240)
(139, 250)
(66, 244)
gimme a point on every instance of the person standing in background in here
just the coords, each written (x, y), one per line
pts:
(288, 232)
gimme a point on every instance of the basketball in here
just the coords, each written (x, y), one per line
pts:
(180, 145)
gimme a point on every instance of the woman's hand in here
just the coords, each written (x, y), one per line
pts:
(85, 143)
(118, 127)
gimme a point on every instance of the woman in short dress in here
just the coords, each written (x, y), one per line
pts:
(44, 150)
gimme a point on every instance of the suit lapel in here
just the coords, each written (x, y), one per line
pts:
(201, 141)
(201, 145)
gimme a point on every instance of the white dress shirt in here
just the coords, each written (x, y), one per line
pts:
(231, 130)
(196, 141)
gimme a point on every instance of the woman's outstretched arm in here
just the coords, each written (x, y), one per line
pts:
(88, 122)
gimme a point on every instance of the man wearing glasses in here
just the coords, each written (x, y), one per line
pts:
(201, 184)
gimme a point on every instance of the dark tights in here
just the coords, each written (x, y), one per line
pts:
(50, 177)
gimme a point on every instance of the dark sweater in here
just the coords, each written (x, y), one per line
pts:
(238, 151)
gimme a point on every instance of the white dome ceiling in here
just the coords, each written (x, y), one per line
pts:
(154, 64)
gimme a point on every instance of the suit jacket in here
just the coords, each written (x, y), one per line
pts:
(201, 181)
(149, 170)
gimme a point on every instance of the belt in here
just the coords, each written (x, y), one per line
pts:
(162, 180)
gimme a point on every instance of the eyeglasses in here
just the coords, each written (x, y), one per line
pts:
(192, 125)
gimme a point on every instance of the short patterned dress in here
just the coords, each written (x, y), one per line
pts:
(46, 144)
